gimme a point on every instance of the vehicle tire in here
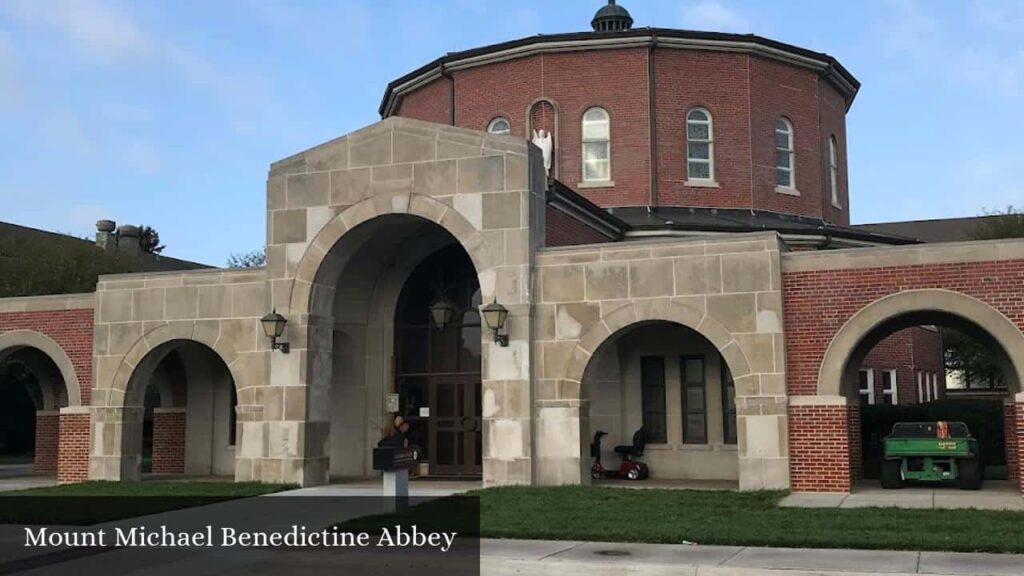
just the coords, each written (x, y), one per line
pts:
(892, 478)
(596, 473)
(969, 472)
(633, 473)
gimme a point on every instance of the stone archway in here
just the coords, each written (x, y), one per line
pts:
(908, 303)
(15, 339)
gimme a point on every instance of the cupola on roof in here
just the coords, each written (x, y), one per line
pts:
(612, 18)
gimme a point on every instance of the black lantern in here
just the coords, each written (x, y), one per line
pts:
(441, 313)
(495, 316)
(273, 327)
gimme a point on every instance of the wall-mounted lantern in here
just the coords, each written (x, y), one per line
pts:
(441, 313)
(495, 316)
(273, 327)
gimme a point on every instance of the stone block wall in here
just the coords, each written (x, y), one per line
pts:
(728, 290)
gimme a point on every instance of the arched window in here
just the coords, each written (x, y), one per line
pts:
(700, 153)
(785, 169)
(499, 126)
(596, 146)
(833, 169)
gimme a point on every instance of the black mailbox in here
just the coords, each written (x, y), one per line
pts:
(389, 459)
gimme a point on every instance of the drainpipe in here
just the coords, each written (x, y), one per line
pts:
(451, 94)
(653, 117)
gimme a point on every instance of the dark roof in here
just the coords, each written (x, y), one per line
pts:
(580, 208)
(834, 68)
(36, 262)
(938, 230)
(741, 220)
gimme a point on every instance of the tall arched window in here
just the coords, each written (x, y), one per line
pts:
(700, 153)
(785, 169)
(833, 169)
(596, 146)
(499, 126)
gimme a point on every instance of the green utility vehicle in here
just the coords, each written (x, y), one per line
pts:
(931, 452)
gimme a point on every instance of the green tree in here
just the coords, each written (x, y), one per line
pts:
(999, 224)
(54, 264)
(253, 259)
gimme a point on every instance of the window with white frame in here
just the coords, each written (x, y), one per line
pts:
(833, 169)
(867, 386)
(499, 126)
(935, 386)
(596, 146)
(700, 151)
(785, 170)
(921, 383)
(890, 395)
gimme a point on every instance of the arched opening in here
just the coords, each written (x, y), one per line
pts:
(926, 366)
(32, 392)
(181, 399)
(671, 381)
(400, 296)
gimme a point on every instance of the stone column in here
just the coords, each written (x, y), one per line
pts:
(47, 441)
(248, 441)
(169, 440)
(73, 455)
(116, 453)
(762, 428)
(819, 443)
(562, 454)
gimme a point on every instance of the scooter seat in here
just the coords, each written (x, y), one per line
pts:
(627, 449)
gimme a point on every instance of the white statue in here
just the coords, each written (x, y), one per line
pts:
(542, 139)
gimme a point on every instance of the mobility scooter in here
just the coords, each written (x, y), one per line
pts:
(629, 468)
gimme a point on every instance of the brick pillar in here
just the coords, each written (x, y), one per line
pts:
(47, 440)
(1010, 435)
(1018, 436)
(73, 461)
(819, 444)
(856, 445)
(168, 440)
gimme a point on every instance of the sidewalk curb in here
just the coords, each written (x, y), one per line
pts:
(509, 567)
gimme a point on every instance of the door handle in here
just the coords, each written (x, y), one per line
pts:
(470, 424)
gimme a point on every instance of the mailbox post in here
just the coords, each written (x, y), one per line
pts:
(395, 464)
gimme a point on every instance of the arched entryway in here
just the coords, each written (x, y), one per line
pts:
(383, 351)
(939, 315)
(180, 412)
(672, 382)
(37, 380)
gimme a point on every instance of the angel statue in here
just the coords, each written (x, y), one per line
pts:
(542, 140)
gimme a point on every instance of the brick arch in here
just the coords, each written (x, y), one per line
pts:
(424, 207)
(871, 316)
(606, 328)
(164, 335)
(11, 341)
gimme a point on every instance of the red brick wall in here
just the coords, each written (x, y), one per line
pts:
(856, 446)
(928, 357)
(819, 448)
(832, 119)
(169, 442)
(47, 442)
(818, 303)
(71, 329)
(908, 351)
(740, 91)
(73, 465)
(563, 230)
(431, 102)
(1013, 450)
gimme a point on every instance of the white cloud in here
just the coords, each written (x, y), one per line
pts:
(713, 16)
(102, 31)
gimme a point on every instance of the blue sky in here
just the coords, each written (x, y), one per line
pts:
(169, 113)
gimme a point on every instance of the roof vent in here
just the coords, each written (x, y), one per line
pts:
(612, 18)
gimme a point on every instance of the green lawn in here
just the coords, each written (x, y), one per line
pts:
(91, 502)
(736, 518)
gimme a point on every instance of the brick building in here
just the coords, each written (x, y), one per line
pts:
(661, 215)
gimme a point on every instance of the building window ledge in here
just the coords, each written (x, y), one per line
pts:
(787, 191)
(596, 184)
(837, 206)
(701, 184)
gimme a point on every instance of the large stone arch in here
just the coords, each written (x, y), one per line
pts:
(891, 307)
(15, 339)
(313, 260)
(154, 339)
(634, 313)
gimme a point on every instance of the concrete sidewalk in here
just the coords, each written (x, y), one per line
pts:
(522, 557)
(995, 496)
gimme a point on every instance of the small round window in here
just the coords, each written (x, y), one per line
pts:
(499, 126)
